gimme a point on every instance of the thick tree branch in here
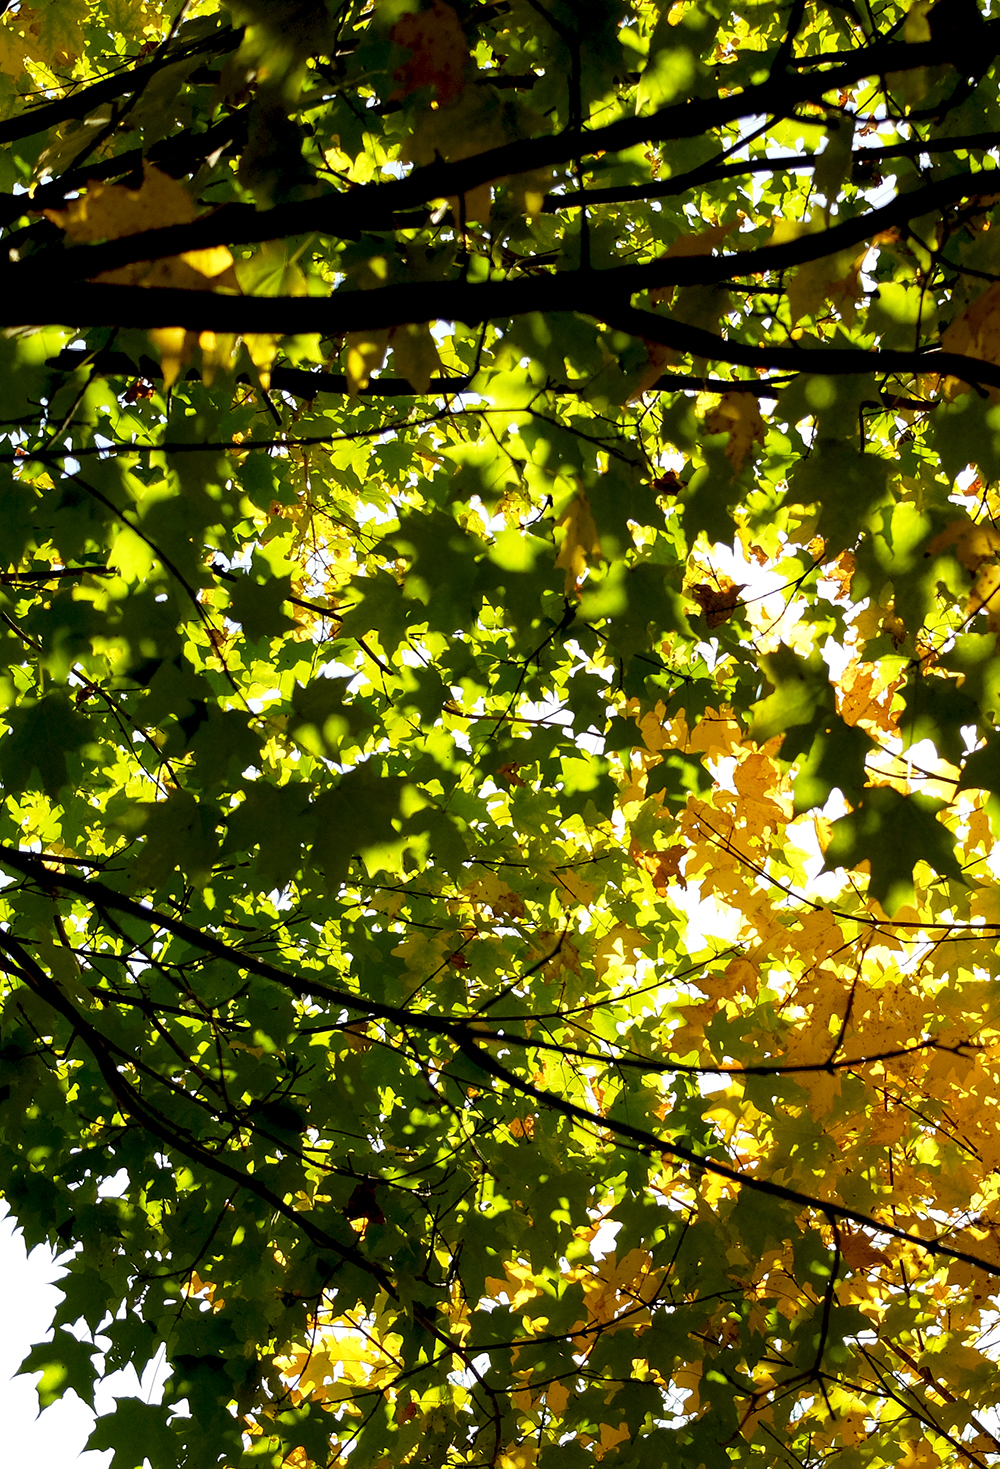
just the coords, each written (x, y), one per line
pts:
(817, 358)
(372, 206)
(93, 304)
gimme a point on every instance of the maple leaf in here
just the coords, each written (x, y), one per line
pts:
(834, 278)
(738, 415)
(974, 542)
(975, 332)
(439, 52)
(892, 832)
(580, 541)
(658, 356)
(366, 352)
(719, 602)
(114, 211)
(662, 866)
(415, 354)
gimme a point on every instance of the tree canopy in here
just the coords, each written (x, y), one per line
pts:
(500, 745)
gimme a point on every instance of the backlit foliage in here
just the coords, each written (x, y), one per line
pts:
(499, 610)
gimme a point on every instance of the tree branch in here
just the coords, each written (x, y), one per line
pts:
(119, 84)
(372, 206)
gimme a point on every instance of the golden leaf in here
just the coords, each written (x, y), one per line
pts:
(973, 543)
(366, 352)
(699, 242)
(858, 1252)
(835, 278)
(658, 356)
(113, 212)
(580, 541)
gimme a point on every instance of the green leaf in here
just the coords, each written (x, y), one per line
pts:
(893, 832)
(135, 1431)
(64, 1363)
(801, 689)
(44, 735)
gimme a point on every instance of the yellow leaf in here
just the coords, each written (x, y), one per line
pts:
(113, 211)
(737, 414)
(612, 1437)
(833, 277)
(858, 1252)
(918, 1454)
(175, 347)
(263, 348)
(973, 543)
(580, 540)
(54, 31)
(365, 353)
(556, 1398)
(658, 356)
(975, 332)
(985, 596)
(574, 889)
(528, 190)
(700, 242)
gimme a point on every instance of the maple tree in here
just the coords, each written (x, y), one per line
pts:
(500, 600)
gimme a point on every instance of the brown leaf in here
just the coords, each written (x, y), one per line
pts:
(985, 596)
(718, 603)
(363, 1204)
(663, 867)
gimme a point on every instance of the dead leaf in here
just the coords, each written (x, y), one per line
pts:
(719, 602)
(663, 867)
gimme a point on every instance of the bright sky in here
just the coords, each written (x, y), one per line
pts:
(56, 1439)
